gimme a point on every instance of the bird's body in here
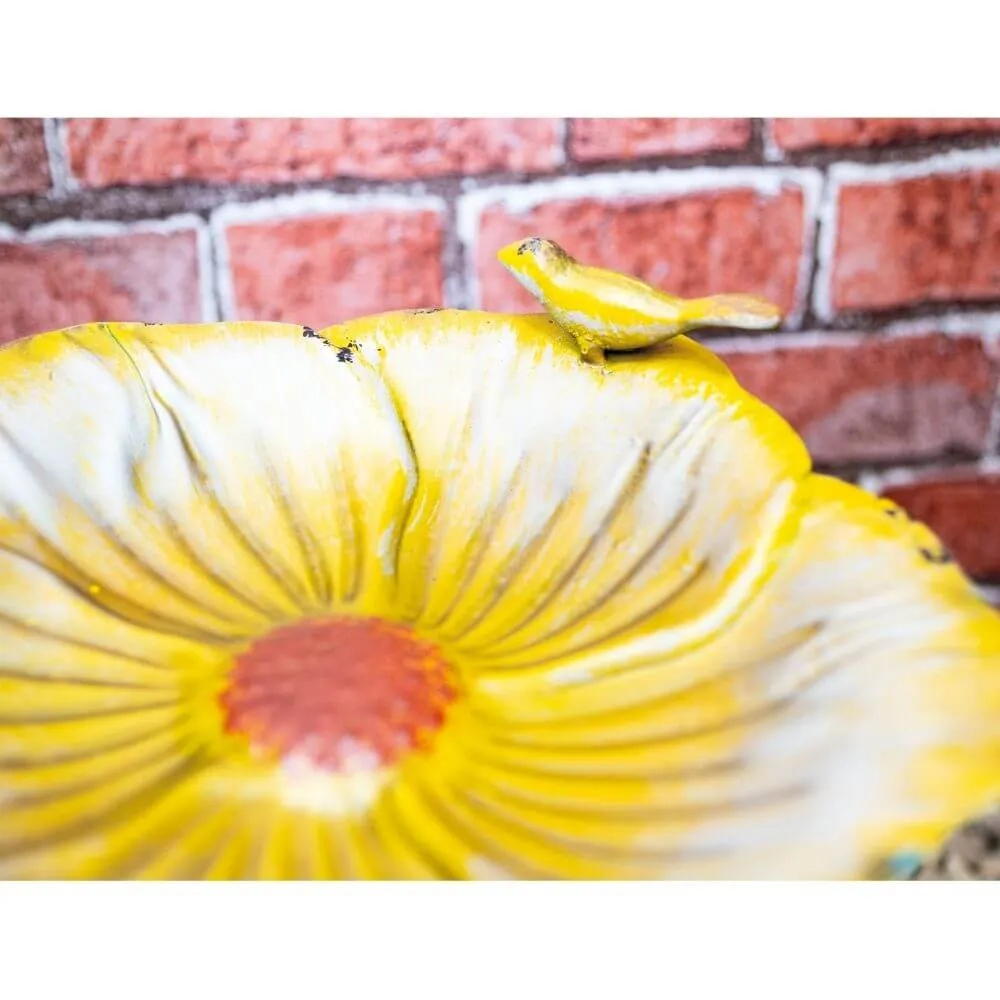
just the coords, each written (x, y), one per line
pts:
(604, 310)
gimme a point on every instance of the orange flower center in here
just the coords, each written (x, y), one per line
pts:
(346, 693)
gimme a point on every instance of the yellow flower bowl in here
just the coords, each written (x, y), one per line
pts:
(425, 596)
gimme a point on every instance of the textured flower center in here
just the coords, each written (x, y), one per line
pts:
(346, 693)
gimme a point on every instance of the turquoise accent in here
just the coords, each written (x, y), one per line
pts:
(904, 865)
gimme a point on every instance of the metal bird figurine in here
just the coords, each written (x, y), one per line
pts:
(605, 311)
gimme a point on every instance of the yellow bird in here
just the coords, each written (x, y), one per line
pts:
(603, 310)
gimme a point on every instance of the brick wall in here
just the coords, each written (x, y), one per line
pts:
(880, 237)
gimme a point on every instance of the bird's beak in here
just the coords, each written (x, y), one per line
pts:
(508, 255)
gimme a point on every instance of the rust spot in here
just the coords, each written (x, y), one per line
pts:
(939, 558)
(308, 331)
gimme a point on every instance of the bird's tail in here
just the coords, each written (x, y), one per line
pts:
(744, 312)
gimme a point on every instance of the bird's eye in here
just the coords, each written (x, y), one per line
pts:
(523, 248)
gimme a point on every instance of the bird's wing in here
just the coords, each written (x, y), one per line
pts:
(621, 292)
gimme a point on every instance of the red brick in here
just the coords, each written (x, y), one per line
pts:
(634, 138)
(116, 151)
(696, 244)
(878, 400)
(151, 277)
(965, 512)
(926, 239)
(814, 133)
(325, 269)
(24, 165)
